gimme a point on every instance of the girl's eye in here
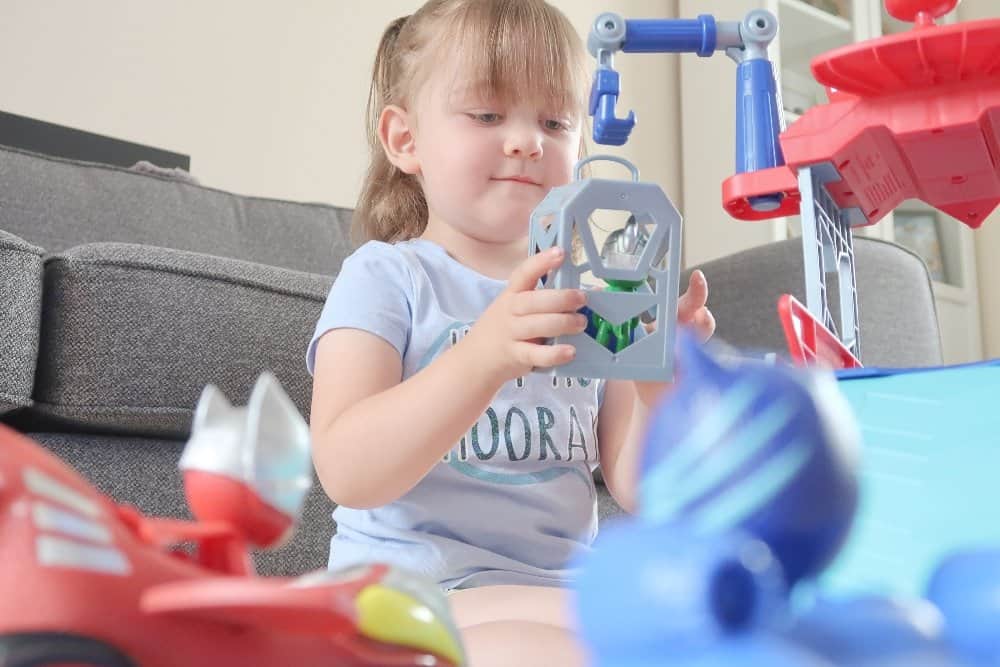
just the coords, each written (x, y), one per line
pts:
(555, 125)
(488, 118)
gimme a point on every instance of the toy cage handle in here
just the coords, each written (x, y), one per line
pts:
(610, 158)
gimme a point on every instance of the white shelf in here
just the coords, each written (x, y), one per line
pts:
(805, 32)
(813, 18)
(950, 293)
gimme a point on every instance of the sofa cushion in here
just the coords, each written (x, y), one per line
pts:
(143, 472)
(899, 326)
(58, 203)
(20, 310)
(131, 334)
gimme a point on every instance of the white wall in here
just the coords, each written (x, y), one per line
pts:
(266, 96)
(987, 237)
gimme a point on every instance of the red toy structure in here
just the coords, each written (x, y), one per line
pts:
(914, 115)
(86, 581)
(911, 116)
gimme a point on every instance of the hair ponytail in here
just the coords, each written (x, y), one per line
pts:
(516, 48)
(391, 206)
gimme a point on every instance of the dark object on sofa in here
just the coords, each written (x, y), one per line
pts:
(124, 293)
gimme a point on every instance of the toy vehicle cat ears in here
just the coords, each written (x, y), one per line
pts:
(273, 418)
(267, 445)
(268, 403)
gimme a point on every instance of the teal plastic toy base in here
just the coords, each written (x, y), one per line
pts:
(930, 474)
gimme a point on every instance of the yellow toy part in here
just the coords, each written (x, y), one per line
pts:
(388, 615)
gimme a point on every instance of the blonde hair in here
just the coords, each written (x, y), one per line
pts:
(514, 49)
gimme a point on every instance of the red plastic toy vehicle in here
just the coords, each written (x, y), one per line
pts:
(86, 581)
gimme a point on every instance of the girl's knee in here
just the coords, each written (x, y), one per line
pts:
(521, 643)
(537, 604)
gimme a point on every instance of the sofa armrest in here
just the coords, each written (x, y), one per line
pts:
(20, 312)
(899, 326)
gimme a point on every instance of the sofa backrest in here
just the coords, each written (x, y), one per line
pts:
(57, 204)
(899, 325)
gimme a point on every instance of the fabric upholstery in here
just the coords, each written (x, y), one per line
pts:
(20, 312)
(899, 325)
(58, 203)
(131, 334)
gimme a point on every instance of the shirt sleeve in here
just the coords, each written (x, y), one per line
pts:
(373, 292)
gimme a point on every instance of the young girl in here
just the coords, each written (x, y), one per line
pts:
(444, 452)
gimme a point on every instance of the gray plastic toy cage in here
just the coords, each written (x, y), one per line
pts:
(564, 213)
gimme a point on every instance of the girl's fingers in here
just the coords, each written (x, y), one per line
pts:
(530, 271)
(537, 355)
(704, 324)
(549, 301)
(549, 325)
(694, 298)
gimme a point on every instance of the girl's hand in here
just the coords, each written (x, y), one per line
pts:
(508, 337)
(692, 313)
(691, 309)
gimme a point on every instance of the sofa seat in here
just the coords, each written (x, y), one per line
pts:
(131, 334)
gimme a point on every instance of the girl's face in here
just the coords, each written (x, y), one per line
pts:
(484, 164)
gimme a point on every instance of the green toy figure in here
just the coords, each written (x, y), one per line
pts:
(621, 250)
(622, 333)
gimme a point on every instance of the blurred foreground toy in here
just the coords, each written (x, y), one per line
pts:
(966, 588)
(89, 582)
(769, 450)
(748, 487)
(646, 591)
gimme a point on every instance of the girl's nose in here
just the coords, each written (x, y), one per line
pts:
(523, 143)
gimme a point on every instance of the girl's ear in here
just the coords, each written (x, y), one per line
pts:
(395, 133)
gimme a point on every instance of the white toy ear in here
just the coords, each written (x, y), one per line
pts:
(276, 446)
(271, 413)
(212, 406)
(212, 417)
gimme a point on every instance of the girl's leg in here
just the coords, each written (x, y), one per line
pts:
(538, 604)
(517, 625)
(521, 643)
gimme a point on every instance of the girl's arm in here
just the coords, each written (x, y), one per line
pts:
(620, 427)
(374, 437)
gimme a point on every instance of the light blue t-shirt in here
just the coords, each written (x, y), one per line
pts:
(514, 499)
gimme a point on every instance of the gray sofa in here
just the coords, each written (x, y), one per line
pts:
(124, 293)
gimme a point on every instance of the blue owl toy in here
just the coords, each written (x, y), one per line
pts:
(747, 489)
(766, 449)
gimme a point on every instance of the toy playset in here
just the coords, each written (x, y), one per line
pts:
(740, 552)
(910, 115)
